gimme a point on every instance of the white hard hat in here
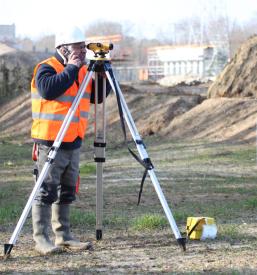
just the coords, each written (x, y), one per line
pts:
(69, 36)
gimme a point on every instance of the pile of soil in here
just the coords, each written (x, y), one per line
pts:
(159, 117)
(15, 117)
(160, 113)
(151, 110)
(218, 119)
(239, 78)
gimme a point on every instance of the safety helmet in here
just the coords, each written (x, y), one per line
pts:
(69, 36)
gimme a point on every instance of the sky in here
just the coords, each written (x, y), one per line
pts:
(35, 19)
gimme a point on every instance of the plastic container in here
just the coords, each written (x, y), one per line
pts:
(201, 228)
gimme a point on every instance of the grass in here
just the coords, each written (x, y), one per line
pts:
(82, 218)
(184, 154)
(9, 213)
(8, 192)
(149, 222)
(229, 232)
(222, 210)
(144, 222)
(86, 218)
(12, 202)
(181, 215)
(14, 154)
(205, 193)
(116, 221)
(87, 169)
(207, 180)
(244, 155)
(251, 204)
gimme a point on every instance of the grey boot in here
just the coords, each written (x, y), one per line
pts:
(41, 221)
(61, 228)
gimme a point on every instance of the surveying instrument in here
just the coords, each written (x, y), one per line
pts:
(100, 64)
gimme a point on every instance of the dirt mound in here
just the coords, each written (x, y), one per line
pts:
(218, 119)
(151, 111)
(15, 117)
(173, 116)
(239, 78)
(159, 117)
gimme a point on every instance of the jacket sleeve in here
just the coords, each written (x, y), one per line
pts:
(100, 90)
(51, 85)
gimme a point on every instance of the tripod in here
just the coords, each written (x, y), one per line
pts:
(100, 64)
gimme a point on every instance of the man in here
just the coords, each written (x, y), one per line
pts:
(54, 86)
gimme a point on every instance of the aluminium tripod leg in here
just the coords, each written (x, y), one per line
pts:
(143, 154)
(99, 145)
(51, 156)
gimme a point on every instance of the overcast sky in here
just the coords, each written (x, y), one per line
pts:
(38, 18)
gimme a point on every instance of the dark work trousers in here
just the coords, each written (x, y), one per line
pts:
(59, 186)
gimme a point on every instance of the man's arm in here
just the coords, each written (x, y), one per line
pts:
(51, 85)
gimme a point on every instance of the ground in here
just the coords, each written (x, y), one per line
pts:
(198, 178)
(204, 154)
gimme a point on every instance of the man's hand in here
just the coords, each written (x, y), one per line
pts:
(74, 59)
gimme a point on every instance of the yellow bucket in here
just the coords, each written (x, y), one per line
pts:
(201, 228)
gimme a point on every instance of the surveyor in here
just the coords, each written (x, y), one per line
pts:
(55, 84)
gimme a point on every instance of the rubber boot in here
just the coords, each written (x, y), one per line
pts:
(41, 221)
(61, 228)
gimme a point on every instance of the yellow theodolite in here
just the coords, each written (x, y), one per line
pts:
(100, 50)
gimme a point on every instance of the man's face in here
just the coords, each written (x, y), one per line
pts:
(78, 49)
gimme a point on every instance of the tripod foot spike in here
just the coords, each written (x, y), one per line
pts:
(7, 250)
(182, 243)
(99, 234)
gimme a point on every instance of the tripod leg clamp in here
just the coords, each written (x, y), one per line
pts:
(49, 159)
(99, 151)
(99, 159)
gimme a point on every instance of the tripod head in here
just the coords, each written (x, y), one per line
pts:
(100, 50)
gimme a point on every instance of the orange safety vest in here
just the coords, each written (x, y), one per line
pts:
(48, 115)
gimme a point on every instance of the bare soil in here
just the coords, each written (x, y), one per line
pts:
(218, 119)
(174, 112)
(198, 178)
(238, 79)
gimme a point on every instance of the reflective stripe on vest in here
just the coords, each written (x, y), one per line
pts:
(62, 98)
(57, 117)
(48, 115)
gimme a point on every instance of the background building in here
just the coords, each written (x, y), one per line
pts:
(7, 33)
(185, 60)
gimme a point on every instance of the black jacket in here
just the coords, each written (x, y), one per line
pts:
(51, 85)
